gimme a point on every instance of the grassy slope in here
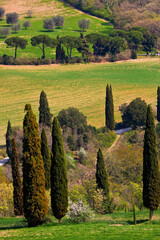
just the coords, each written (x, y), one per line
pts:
(81, 86)
(43, 9)
(115, 226)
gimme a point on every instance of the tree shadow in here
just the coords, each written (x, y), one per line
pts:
(137, 222)
(47, 31)
(5, 25)
(78, 31)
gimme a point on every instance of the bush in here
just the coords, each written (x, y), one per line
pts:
(78, 212)
(6, 203)
(82, 155)
(71, 142)
(135, 113)
(109, 205)
(71, 163)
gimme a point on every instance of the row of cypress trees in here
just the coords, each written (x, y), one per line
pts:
(32, 200)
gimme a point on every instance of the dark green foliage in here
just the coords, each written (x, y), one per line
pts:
(70, 43)
(17, 182)
(2, 12)
(116, 45)
(46, 158)
(151, 174)
(45, 117)
(158, 104)
(71, 142)
(43, 41)
(79, 142)
(9, 140)
(60, 53)
(59, 182)
(12, 18)
(72, 118)
(83, 47)
(135, 113)
(101, 174)
(101, 45)
(109, 205)
(34, 196)
(135, 38)
(16, 42)
(109, 108)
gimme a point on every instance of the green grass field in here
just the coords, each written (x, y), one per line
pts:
(53, 8)
(116, 226)
(81, 86)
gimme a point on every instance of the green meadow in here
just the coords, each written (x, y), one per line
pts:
(116, 226)
(80, 85)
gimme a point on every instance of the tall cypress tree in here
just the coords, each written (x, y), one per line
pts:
(151, 175)
(59, 182)
(109, 108)
(46, 158)
(101, 174)
(34, 196)
(45, 117)
(158, 104)
(58, 51)
(17, 182)
(9, 140)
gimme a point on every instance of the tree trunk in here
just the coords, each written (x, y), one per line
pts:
(43, 52)
(151, 215)
(15, 52)
(60, 220)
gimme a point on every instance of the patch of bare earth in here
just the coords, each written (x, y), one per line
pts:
(39, 7)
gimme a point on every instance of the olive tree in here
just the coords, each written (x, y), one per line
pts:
(12, 18)
(26, 24)
(16, 42)
(16, 27)
(2, 12)
(59, 21)
(84, 24)
(49, 24)
(5, 32)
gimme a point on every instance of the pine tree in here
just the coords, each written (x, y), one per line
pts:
(9, 140)
(59, 182)
(109, 108)
(158, 104)
(17, 182)
(45, 117)
(46, 158)
(101, 174)
(34, 196)
(151, 175)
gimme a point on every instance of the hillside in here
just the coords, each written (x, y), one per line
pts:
(66, 86)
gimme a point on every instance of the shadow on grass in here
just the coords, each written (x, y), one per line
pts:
(137, 222)
(5, 25)
(47, 31)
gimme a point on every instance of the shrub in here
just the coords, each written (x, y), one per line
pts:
(78, 212)
(16, 27)
(71, 163)
(82, 155)
(49, 24)
(71, 142)
(6, 203)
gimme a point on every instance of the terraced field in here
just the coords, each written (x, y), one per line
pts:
(81, 86)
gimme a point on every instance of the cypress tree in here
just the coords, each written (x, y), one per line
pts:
(151, 176)
(84, 47)
(9, 140)
(158, 104)
(58, 52)
(109, 108)
(59, 182)
(45, 117)
(101, 174)
(17, 182)
(34, 196)
(46, 158)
